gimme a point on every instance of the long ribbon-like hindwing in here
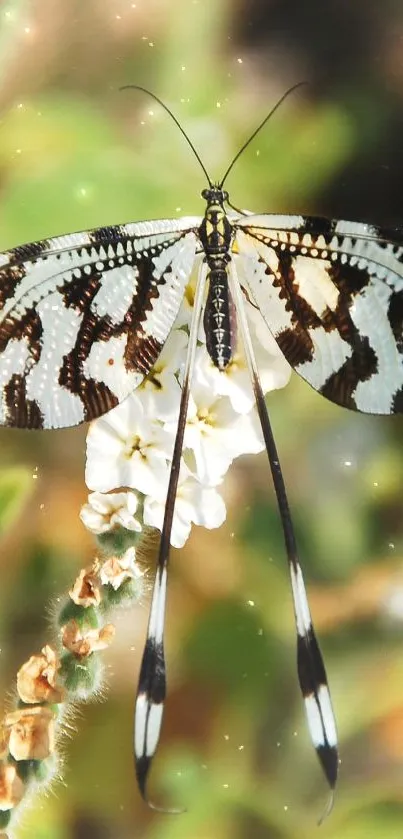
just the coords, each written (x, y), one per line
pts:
(152, 681)
(311, 670)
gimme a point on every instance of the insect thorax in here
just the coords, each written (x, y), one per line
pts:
(216, 234)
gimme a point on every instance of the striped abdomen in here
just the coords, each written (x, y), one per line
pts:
(219, 316)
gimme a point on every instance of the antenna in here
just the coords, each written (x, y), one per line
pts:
(252, 136)
(176, 121)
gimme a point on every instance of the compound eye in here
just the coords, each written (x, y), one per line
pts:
(205, 194)
(225, 195)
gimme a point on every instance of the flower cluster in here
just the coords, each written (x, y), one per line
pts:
(129, 450)
(51, 682)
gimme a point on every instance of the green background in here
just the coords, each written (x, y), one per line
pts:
(76, 153)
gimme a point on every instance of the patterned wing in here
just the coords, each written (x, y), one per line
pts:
(84, 317)
(331, 293)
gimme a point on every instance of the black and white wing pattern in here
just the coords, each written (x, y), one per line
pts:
(331, 293)
(84, 317)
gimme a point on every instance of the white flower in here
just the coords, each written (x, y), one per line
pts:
(160, 392)
(117, 570)
(216, 434)
(194, 503)
(104, 512)
(125, 448)
(131, 447)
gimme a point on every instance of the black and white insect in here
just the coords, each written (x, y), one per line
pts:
(84, 318)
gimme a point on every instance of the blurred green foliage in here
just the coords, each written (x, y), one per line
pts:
(15, 488)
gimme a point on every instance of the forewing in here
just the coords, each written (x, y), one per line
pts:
(84, 317)
(331, 292)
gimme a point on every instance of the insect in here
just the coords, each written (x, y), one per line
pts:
(84, 318)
